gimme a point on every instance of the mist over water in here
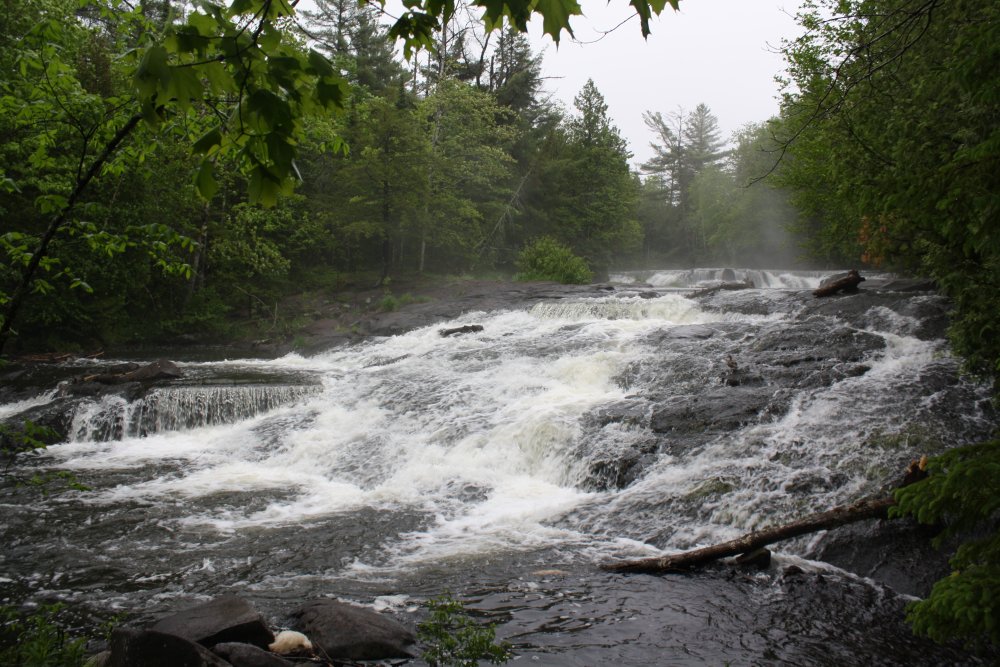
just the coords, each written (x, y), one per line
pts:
(506, 465)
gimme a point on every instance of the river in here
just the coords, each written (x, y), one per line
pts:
(506, 465)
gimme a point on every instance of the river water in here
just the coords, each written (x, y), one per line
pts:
(505, 466)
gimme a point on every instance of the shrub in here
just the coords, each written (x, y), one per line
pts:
(963, 493)
(547, 259)
(38, 640)
(453, 639)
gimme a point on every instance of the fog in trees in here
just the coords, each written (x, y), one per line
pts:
(707, 201)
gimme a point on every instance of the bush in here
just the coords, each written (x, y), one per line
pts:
(963, 493)
(38, 640)
(453, 639)
(547, 259)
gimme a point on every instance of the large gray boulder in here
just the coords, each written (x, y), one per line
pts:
(131, 647)
(224, 619)
(345, 632)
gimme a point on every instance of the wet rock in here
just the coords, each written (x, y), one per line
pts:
(102, 659)
(620, 468)
(759, 559)
(631, 412)
(162, 369)
(131, 647)
(346, 632)
(246, 655)
(896, 553)
(224, 619)
(684, 332)
(716, 409)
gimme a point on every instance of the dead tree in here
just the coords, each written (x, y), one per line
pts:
(848, 282)
(838, 516)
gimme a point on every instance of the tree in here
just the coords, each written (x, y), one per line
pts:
(892, 125)
(583, 194)
(238, 87)
(667, 163)
(687, 147)
(467, 176)
(351, 36)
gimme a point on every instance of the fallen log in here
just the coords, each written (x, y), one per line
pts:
(838, 516)
(848, 282)
(468, 328)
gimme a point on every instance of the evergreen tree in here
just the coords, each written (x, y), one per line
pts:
(584, 194)
(351, 35)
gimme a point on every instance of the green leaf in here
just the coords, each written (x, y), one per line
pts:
(205, 181)
(320, 65)
(555, 16)
(207, 141)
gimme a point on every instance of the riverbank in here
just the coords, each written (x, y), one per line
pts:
(318, 320)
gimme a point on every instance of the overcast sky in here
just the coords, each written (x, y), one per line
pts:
(720, 52)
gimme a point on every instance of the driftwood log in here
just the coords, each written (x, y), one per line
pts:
(848, 282)
(838, 516)
(457, 331)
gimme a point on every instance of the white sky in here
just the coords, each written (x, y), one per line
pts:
(720, 52)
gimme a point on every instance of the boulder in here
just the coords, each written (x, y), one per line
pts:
(131, 647)
(224, 619)
(247, 655)
(342, 631)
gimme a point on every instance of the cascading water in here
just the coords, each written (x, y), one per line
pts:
(175, 408)
(504, 465)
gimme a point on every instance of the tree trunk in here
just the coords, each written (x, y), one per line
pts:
(838, 516)
(847, 282)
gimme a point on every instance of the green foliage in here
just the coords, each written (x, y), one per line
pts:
(547, 259)
(39, 639)
(416, 25)
(962, 492)
(388, 303)
(453, 639)
(892, 123)
(892, 127)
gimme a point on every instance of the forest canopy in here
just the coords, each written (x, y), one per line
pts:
(170, 167)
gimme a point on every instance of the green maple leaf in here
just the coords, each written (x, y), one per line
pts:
(555, 15)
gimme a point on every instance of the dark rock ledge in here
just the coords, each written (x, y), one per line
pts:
(228, 632)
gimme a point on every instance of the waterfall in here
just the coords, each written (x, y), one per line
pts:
(113, 417)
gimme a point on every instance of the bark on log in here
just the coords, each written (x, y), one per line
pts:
(838, 516)
(848, 282)
(468, 328)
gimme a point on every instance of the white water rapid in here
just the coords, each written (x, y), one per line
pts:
(561, 436)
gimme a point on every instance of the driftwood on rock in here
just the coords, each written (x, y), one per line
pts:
(162, 369)
(848, 282)
(838, 516)
(468, 328)
(724, 287)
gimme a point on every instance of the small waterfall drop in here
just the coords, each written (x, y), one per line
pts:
(114, 417)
